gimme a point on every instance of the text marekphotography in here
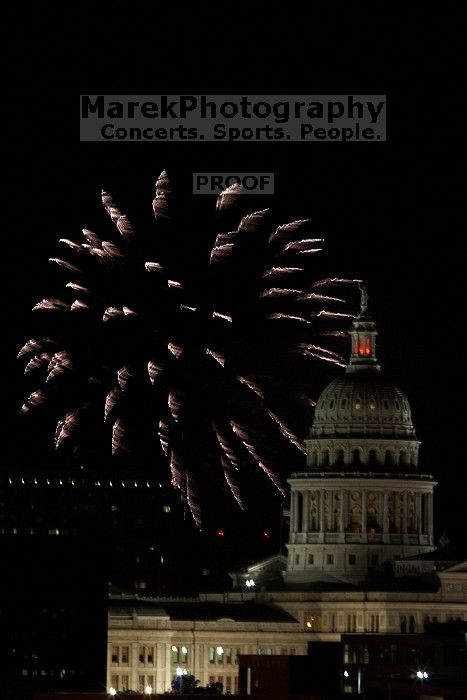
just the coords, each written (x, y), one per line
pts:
(230, 118)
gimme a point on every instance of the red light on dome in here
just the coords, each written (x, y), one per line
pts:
(266, 534)
(221, 533)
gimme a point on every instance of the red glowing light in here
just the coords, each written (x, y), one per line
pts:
(221, 533)
(265, 533)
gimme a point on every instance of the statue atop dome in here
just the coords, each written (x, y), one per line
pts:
(363, 299)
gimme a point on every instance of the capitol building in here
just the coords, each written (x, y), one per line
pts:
(361, 557)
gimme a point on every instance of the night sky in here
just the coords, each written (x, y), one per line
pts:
(391, 212)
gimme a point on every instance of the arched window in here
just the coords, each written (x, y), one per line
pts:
(356, 456)
(388, 458)
(340, 458)
(372, 459)
(403, 458)
(325, 458)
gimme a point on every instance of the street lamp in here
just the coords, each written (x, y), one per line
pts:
(148, 690)
(179, 673)
(112, 691)
(249, 583)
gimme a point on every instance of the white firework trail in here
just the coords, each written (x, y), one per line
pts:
(71, 244)
(226, 317)
(217, 356)
(185, 307)
(79, 305)
(174, 284)
(285, 230)
(59, 363)
(112, 312)
(163, 433)
(175, 469)
(175, 349)
(51, 305)
(174, 404)
(67, 265)
(334, 314)
(251, 385)
(243, 437)
(65, 427)
(124, 376)
(303, 244)
(111, 401)
(307, 399)
(286, 432)
(278, 292)
(153, 370)
(313, 296)
(78, 288)
(334, 280)
(191, 500)
(153, 267)
(118, 435)
(91, 237)
(288, 317)
(35, 399)
(34, 344)
(37, 361)
(317, 348)
(281, 271)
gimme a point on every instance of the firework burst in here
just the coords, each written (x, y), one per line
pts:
(142, 342)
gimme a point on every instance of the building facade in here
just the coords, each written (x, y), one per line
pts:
(361, 556)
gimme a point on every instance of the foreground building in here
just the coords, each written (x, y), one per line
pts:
(361, 555)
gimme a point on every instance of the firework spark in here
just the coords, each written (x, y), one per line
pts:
(151, 344)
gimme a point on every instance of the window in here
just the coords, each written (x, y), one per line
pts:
(310, 622)
(350, 654)
(374, 560)
(351, 624)
(311, 559)
(403, 624)
(179, 654)
(228, 685)
(115, 654)
(292, 652)
(372, 405)
(124, 684)
(114, 682)
(297, 558)
(412, 624)
(329, 558)
(374, 623)
(124, 655)
(265, 651)
(352, 559)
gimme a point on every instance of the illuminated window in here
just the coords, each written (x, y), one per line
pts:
(310, 622)
(372, 405)
(358, 404)
(166, 509)
(179, 654)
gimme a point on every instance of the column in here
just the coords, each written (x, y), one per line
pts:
(418, 501)
(385, 516)
(321, 510)
(306, 511)
(341, 517)
(364, 506)
(294, 509)
(404, 515)
(134, 670)
(430, 516)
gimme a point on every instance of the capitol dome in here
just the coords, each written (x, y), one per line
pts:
(361, 419)
(362, 404)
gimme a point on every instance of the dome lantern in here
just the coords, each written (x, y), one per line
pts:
(363, 335)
